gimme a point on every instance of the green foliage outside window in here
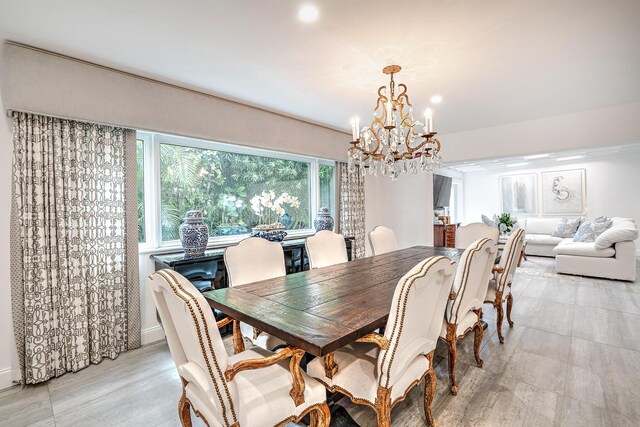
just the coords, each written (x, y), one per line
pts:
(140, 158)
(327, 188)
(222, 185)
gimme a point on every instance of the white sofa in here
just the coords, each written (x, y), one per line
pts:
(538, 236)
(612, 255)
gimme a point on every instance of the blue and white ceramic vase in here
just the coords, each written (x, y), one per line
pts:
(270, 234)
(194, 234)
(323, 221)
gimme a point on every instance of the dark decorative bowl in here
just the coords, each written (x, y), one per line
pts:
(274, 235)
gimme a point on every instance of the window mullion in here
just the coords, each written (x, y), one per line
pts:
(314, 176)
(156, 223)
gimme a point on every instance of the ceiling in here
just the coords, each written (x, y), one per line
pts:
(493, 61)
(505, 164)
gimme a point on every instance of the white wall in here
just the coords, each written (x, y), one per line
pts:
(405, 205)
(7, 347)
(612, 187)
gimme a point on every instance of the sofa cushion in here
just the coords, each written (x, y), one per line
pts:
(542, 239)
(620, 231)
(590, 229)
(567, 227)
(588, 249)
(541, 225)
(488, 221)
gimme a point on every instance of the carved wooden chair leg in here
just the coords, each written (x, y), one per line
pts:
(383, 406)
(429, 391)
(509, 306)
(452, 344)
(477, 341)
(477, 338)
(184, 408)
(321, 417)
(238, 339)
(330, 367)
(500, 315)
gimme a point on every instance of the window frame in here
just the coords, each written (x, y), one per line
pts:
(152, 190)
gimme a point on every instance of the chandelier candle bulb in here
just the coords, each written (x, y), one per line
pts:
(428, 121)
(353, 128)
(357, 128)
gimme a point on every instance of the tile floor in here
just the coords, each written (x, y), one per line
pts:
(572, 359)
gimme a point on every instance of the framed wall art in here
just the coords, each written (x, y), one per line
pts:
(519, 194)
(563, 192)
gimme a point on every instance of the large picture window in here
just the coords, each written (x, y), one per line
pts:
(222, 180)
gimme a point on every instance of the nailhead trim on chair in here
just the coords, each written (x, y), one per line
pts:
(465, 275)
(168, 276)
(404, 293)
(510, 259)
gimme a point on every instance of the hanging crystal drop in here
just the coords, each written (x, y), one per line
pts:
(412, 167)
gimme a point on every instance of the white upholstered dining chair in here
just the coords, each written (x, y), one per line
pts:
(467, 234)
(379, 370)
(464, 309)
(382, 240)
(252, 260)
(326, 248)
(499, 289)
(227, 390)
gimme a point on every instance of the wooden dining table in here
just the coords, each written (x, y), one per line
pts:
(322, 310)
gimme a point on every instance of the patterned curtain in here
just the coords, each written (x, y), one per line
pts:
(75, 291)
(351, 207)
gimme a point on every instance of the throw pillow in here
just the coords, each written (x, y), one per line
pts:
(488, 221)
(567, 228)
(617, 233)
(589, 230)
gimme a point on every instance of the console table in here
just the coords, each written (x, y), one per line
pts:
(208, 272)
(444, 235)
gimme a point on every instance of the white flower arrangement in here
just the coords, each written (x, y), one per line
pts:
(267, 203)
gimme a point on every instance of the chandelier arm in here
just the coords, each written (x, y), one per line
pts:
(404, 95)
(381, 97)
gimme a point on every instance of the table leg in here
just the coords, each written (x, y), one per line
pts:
(238, 340)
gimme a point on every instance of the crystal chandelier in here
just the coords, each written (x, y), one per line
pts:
(394, 143)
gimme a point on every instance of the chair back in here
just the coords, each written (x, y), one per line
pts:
(472, 279)
(326, 248)
(382, 240)
(254, 259)
(509, 258)
(415, 319)
(468, 234)
(194, 341)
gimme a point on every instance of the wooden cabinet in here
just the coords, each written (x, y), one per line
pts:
(444, 235)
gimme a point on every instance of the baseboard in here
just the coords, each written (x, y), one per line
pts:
(153, 334)
(5, 378)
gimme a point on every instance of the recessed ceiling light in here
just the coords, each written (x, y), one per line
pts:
(536, 156)
(562, 159)
(308, 13)
(436, 99)
(514, 165)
